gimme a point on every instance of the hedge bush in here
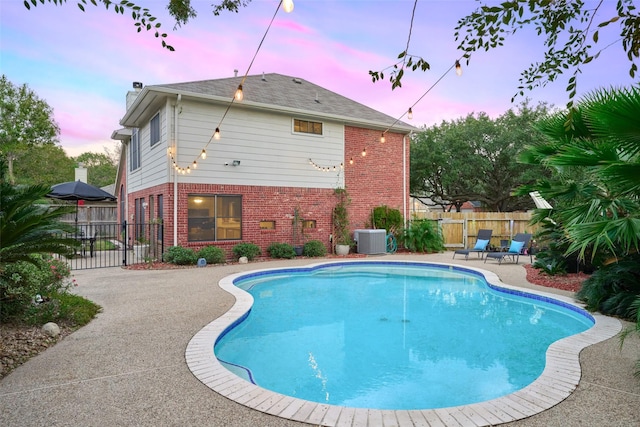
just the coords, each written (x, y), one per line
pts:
(180, 256)
(249, 250)
(212, 254)
(314, 248)
(281, 250)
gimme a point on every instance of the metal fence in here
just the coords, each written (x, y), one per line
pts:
(114, 244)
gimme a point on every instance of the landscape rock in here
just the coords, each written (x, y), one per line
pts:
(243, 260)
(51, 329)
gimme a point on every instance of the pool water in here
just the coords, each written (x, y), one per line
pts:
(392, 336)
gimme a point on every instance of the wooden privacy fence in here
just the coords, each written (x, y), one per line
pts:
(461, 228)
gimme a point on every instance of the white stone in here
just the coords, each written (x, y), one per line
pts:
(243, 260)
(51, 329)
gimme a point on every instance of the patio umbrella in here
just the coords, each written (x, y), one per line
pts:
(78, 190)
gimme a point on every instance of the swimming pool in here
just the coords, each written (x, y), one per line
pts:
(402, 319)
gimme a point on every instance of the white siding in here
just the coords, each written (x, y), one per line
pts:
(269, 152)
(154, 163)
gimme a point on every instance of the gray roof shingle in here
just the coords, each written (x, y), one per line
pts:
(290, 93)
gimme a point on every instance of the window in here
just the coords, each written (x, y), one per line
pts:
(134, 150)
(154, 129)
(304, 126)
(309, 223)
(214, 217)
(267, 225)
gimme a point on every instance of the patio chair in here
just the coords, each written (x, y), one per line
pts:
(482, 245)
(519, 246)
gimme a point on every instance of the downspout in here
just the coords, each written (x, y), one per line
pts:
(404, 179)
(176, 112)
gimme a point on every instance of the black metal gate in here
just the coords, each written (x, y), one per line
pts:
(114, 244)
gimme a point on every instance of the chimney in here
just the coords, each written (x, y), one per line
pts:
(235, 73)
(81, 173)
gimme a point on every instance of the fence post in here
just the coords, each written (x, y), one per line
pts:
(124, 241)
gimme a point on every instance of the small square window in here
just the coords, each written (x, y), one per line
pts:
(305, 126)
(267, 225)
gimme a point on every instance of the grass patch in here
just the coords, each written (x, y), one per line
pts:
(63, 308)
(104, 245)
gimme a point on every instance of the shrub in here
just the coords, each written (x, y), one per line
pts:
(21, 282)
(281, 250)
(423, 236)
(314, 248)
(614, 289)
(62, 306)
(249, 250)
(180, 256)
(388, 218)
(212, 254)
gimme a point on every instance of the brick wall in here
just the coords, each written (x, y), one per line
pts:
(371, 181)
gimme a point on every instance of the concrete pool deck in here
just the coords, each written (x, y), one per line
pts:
(127, 367)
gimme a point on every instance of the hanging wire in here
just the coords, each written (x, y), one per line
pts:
(233, 98)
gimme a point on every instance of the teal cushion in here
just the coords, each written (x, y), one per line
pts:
(481, 245)
(516, 247)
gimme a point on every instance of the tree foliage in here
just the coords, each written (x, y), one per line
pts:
(475, 159)
(569, 30)
(26, 122)
(46, 165)
(101, 170)
(28, 227)
(596, 169)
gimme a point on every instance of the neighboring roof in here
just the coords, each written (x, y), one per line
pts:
(272, 92)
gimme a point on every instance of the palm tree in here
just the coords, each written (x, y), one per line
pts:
(597, 165)
(29, 226)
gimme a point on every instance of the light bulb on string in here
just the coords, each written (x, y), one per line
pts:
(458, 68)
(203, 155)
(364, 152)
(287, 6)
(188, 169)
(239, 96)
(410, 114)
(195, 165)
(382, 138)
(351, 161)
(216, 134)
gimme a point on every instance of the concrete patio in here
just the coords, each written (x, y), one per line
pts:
(127, 367)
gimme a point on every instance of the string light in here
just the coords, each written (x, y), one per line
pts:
(203, 154)
(458, 68)
(364, 152)
(287, 6)
(351, 161)
(382, 139)
(195, 164)
(410, 114)
(216, 134)
(325, 168)
(239, 96)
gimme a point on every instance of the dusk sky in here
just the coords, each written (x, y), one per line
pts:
(83, 63)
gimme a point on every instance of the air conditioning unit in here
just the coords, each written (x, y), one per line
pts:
(371, 242)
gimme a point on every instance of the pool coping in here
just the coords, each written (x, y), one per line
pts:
(558, 380)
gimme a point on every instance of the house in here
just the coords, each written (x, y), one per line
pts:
(283, 149)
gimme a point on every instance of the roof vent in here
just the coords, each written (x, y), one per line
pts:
(264, 79)
(297, 80)
(235, 73)
(317, 98)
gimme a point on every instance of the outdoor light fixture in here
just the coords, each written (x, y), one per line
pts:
(203, 154)
(458, 68)
(235, 163)
(239, 96)
(216, 134)
(410, 114)
(382, 139)
(287, 6)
